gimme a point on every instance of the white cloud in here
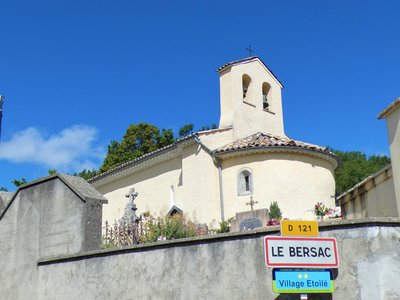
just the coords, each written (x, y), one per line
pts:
(70, 150)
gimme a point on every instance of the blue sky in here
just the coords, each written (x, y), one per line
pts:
(75, 74)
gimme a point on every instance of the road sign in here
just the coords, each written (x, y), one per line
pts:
(303, 228)
(302, 281)
(307, 252)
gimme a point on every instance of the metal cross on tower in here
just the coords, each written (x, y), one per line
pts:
(250, 51)
(252, 203)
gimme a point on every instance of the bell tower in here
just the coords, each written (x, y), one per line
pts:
(251, 98)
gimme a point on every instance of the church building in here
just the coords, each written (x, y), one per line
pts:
(211, 175)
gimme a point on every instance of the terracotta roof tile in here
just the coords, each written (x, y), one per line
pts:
(262, 140)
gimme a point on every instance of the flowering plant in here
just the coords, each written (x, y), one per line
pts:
(320, 209)
(334, 213)
(273, 222)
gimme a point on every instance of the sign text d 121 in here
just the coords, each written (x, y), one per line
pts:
(302, 228)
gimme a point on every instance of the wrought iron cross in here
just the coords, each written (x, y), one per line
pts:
(250, 50)
(252, 203)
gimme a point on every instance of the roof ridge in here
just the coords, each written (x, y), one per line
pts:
(263, 139)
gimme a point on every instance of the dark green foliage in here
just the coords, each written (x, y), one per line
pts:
(355, 167)
(51, 171)
(169, 228)
(213, 126)
(138, 140)
(274, 211)
(18, 182)
(166, 138)
(185, 130)
(3, 189)
(224, 226)
(112, 158)
(86, 174)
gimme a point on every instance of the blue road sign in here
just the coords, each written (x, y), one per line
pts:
(302, 281)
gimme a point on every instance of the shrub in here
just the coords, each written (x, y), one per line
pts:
(274, 211)
(224, 226)
(320, 209)
(168, 228)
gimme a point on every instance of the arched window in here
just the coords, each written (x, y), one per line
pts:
(245, 182)
(265, 95)
(246, 80)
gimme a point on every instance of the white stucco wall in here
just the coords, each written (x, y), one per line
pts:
(192, 175)
(374, 197)
(296, 181)
(153, 185)
(216, 138)
(201, 185)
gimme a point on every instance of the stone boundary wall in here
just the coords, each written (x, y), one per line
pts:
(226, 266)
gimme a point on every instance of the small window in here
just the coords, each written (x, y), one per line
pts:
(265, 95)
(246, 80)
(245, 183)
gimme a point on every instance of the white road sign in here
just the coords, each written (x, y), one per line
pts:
(289, 252)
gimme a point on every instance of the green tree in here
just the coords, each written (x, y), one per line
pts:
(207, 127)
(3, 189)
(112, 158)
(274, 211)
(166, 138)
(86, 174)
(52, 171)
(138, 140)
(185, 130)
(18, 182)
(356, 166)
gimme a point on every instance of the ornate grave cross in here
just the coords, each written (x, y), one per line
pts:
(130, 209)
(251, 203)
(129, 223)
(132, 196)
(250, 50)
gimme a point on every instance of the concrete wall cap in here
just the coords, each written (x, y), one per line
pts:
(77, 184)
